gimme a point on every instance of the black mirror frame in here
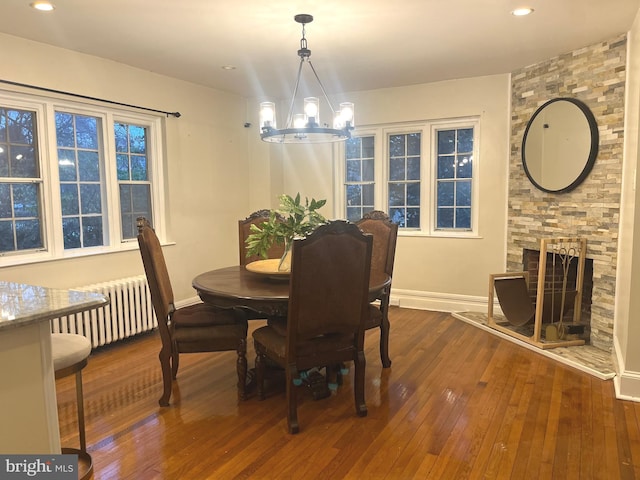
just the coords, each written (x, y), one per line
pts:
(593, 152)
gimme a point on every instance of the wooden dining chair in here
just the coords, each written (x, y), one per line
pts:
(385, 234)
(244, 230)
(328, 307)
(190, 329)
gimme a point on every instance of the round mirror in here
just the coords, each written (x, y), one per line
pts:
(560, 145)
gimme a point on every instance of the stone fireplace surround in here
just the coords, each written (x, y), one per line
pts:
(595, 75)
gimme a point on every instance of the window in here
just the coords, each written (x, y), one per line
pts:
(20, 182)
(360, 173)
(423, 175)
(454, 178)
(82, 194)
(404, 179)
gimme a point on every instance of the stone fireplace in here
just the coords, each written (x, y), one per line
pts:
(596, 76)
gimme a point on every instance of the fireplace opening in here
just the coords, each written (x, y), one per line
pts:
(554, 278)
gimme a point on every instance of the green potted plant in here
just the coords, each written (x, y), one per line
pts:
(290, 220)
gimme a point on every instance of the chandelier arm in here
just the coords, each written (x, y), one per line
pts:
(293, 97)
(326, 97)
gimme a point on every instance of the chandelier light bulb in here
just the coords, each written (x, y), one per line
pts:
(267, 115)
(299, 120)
(311, 109)
(347, 114)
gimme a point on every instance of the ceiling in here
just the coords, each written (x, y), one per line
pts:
(355, 44)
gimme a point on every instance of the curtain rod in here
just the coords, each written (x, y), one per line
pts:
(86, 97)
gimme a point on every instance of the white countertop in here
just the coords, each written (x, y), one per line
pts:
(26, 304)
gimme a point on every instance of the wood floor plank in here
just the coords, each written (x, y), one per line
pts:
(457, 403)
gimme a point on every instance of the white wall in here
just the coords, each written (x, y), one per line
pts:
(626, 325)
(429, 272)
(206, 157)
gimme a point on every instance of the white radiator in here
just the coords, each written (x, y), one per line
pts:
(128, 313)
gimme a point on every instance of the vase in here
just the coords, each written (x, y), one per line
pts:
(285, 261)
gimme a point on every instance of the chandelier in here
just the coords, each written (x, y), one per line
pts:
(306, 127)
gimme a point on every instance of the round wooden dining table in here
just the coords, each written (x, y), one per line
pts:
(237, 287)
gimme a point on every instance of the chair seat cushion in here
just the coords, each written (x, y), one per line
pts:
(275, 343)
(210, 333)
(201, 314)
(68, 349)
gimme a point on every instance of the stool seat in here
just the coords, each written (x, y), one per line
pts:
(70, 352)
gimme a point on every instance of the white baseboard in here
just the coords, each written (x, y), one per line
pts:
(626, 383)
(439, 302)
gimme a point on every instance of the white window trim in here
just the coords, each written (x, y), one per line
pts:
(52, 231)
(428, 165)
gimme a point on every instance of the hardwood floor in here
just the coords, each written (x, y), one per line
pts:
(457, 403)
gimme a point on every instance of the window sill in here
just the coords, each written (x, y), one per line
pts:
(12, 260)
(418, 233)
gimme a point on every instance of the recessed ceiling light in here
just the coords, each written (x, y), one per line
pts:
(228, 67)
(521, 12)
(43, 6)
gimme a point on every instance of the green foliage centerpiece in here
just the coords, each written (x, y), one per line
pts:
(292, 219)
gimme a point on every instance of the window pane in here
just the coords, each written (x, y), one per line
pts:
(368, 173)
(413, 168)
(20, 126)
(413, 144)
(445, 193)
(465, 140)
(463, 218)
(69, 199)
(137, 139)
(28, 234)
(367, 147)
(463, 194)
(413, 194)
(354, 214)
(22, 161)
(67, 165)
(413, 218)
(6, 236)
(91, 231)
(352, 148)
(353, 171)
(368, 195)
(4, 160)
(5, 201)
(464, 166)
(138, 167)
(397, 145)
(446, 141)
(25, 200)
(141, 199)
(122, 162)
(397, 216)
(354, 195)
(445, 218)
(396, 169)
(126, 204)
(86, 132)
(89, 166)
(120, 131)
(71, 232)
(64, 130)
(396, 194)
(446, 166)
(90, 198)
